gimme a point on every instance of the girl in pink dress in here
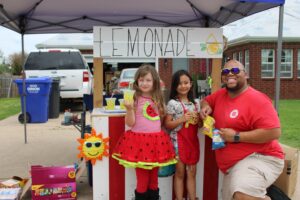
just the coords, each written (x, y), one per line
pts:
(145, 147)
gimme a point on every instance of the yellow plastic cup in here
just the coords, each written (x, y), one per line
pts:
(121, 102)
(128, 95)
(110, 103)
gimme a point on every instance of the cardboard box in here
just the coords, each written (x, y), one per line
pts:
(288, 179)
(14, 182)
(52, 183)
(10, 183)
(10, 193)
(26, 188)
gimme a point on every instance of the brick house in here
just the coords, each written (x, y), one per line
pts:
(259, 55)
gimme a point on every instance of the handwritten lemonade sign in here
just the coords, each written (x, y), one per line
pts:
(143, 42)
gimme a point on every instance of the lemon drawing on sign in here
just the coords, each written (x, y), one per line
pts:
(93, 147)
(212, 45)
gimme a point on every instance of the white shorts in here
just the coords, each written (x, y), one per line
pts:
(252, 176)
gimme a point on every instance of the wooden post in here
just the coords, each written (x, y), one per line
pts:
(211, 171)
(216, 74)
(98, 82)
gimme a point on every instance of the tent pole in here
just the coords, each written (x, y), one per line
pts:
(24, 88)
(279, 51)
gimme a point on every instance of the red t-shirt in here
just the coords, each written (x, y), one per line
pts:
(248, 111)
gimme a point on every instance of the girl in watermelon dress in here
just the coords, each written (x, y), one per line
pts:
(182, 120)
(145, 146)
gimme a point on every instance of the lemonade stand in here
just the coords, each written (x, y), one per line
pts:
(157, 42)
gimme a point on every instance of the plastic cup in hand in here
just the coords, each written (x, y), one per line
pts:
(110, 103)
(128, 95)
(121, 101)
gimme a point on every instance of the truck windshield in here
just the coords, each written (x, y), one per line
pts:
(54, 60)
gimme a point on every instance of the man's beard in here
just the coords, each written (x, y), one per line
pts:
(233, 89)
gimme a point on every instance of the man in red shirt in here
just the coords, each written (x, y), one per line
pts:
(252, 158)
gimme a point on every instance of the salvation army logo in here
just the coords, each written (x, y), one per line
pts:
(234, 114)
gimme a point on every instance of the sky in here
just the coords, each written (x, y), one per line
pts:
(266, 23)
(261, 24)
(10, 41)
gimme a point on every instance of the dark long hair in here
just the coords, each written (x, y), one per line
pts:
(175, 83)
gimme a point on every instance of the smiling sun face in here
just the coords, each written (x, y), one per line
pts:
(93, 147)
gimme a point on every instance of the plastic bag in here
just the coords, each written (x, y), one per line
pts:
(166, 171)
(218, 141)
(208, 125)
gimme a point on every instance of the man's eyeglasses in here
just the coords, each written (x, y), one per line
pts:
(234, 70)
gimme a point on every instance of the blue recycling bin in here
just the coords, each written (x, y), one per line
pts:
(37, 98)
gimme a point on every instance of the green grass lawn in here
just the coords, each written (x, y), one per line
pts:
(9, 107)
(289, 114)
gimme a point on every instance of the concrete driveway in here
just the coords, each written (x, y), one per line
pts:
(47, 144)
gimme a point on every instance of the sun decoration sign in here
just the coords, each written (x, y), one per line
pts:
(93, 147)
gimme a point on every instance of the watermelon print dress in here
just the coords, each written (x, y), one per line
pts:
(145, 145)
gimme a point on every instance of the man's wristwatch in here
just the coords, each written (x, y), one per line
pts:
(236, 137)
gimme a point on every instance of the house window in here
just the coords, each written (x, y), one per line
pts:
(298, 63)
(234, 56)
(286, 64)
(247, 64)
(267, 63)
(240, 57)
